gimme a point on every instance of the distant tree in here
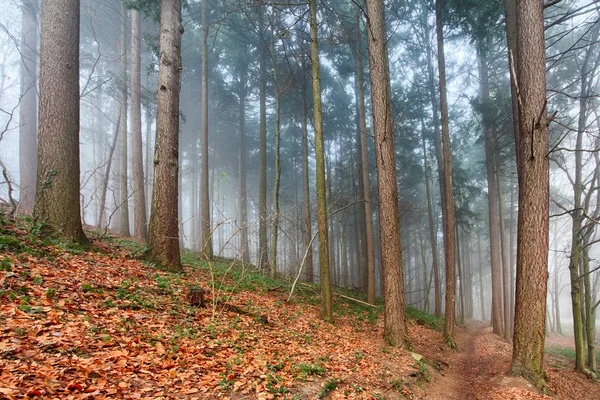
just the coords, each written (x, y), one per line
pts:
(326, 302)
(163, 237)
(28, 105)
(395, 332)
(139, 196)
(57, 201)
(533, 174)
(263, 250)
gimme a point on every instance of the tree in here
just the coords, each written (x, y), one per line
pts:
(364, 163)
(163, 237)
(448, 198)
(263, 251)
(124, 204)
(28, 106)
(533, 175)
(57, 201)
(207, 246)
(395, 332)
(326, 303)
(139, 196)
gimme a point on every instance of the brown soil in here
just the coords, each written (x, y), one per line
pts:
(478, 369)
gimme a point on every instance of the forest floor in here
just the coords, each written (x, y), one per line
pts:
(99, 323)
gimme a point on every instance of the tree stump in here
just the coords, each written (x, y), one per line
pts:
(195, 296)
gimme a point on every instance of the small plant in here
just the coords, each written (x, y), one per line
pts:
(310, 369)
(51, 293)
(329, 386)
(5, 263)
(38, 280)
(86, 287)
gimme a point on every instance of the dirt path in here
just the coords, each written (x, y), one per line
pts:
(476, 370)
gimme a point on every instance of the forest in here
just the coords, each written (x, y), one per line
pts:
(299, 199)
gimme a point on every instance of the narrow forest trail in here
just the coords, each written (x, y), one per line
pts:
(476, 370)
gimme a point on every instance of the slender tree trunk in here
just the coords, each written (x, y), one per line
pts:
(163, 237)
(243, 202)
(513, 260)
(326, 304)
(28, 106)
(305, 183)
(57, 201)
(139, 197)
(432, 231)
(263, 251)
(104, 190)
(448, 198)
(148, 171)
(504, 252)
(207, 245)
(493, 212)
(276, 184)
(461, 277)
(481, 298)
(533, 173)
(394, 327)
(124, 228)
(364, 163)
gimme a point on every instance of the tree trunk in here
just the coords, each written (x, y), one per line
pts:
(139, 196)
(28, 106)
(57, 198)
(207, 242)
(364, 163)
(448, 197)
(124, 227)
(533, 173)
(432, 231)
(461, 277)
(102, 213)
(242, 200)
(504, 253)
(276, 184)
(326, 304)
(147, 174)
(305, 183)
(163, 238)
(493, 212)
(394, 331)
(481, 299)
(263, 250)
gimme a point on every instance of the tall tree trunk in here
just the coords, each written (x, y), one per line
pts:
(365, 195)
(448, 198)
(326, 304)
(513, 259)
(305, 182)
(504, 253)
(57, 201)
(207, 242)
(163, 237)
(461, 277)
(394, 330)
(481, 297)
(432, 231)
(263, 250)
(242, 200)
(139, 196)
(147, 173)
(124, 228)
(533, 173)
(276, 184)
(28, 106)
(493, 212)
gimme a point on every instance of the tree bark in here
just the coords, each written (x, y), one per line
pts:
(28, 106)
(57, 201)
(533, 174)
(104, 189)
(207, 242)
(276, 183)
(394, 330)
(448, 198)
(326, 304)
(139, 195)
(305, 183)
(504, 253)
(163, 238)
